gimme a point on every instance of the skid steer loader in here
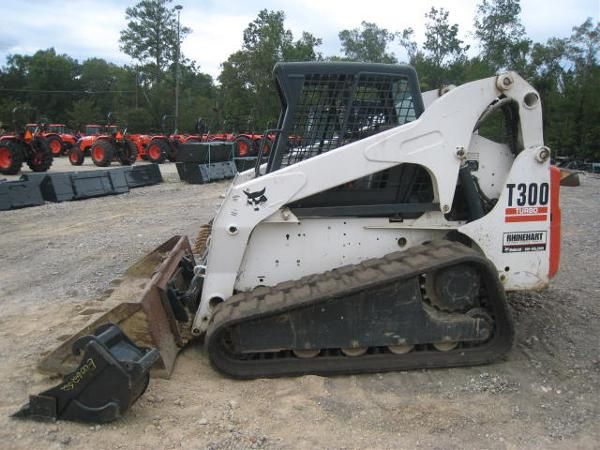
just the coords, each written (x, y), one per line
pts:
(381, 234)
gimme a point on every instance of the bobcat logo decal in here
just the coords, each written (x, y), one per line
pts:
(255, 199)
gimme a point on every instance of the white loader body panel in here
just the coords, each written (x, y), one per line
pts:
(259, 241)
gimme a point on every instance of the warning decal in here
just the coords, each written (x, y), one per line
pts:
(524, 241)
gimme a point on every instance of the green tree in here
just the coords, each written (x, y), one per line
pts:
(45, 80)
(567, 76)
(82, 112)
(548, 78)
(443, 56)
(406, 39)
(584, 44)
(247, 95)
(151, 39)
(501, 34)
(137, 120)
(442, 45)
(151, 35)
(197, 97)
(110, 86)
(236, 93)
(582, 89)
(97, 75)
(369, 43)
(6, 117)
(303, 49)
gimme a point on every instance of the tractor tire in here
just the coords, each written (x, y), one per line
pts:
(244, 146)
(11, 158)
(171, 152)
(156, 151)
(76, 156)
(102, 153)
(266, 148)
(128, 153)
(41, 158)
(55, 144)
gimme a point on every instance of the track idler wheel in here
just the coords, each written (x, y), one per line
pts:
(112, 374)
(306, 353)
(401, 349)
(354, 351)
(445, 346)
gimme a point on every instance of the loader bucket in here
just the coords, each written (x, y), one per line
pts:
(112, 375)
(569, 178)
(140, 304)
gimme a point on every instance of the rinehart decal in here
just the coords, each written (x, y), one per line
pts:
(524, 241)
(255, 199)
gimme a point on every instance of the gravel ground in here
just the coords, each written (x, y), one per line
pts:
(59, 258)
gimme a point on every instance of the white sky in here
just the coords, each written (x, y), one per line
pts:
(90, 28)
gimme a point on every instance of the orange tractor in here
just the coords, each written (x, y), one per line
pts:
(88, 138)
(56, 135)
(249, 144)
(108, 144)
(245, 144)
(154, 147)
(93, 129)
(176, 138)
(23, 146)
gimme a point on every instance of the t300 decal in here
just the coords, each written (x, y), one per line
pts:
(527, 202)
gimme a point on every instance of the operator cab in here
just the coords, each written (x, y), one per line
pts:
(329, 105)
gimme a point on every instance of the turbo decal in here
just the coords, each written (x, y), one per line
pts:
(527, 214)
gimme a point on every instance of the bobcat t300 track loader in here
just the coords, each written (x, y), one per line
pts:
(381, 233)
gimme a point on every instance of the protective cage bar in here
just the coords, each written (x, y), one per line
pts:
(326, 106)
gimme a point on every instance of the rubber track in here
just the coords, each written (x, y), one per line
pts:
(267, 301)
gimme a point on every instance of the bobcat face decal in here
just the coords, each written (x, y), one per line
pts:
(255, 199)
